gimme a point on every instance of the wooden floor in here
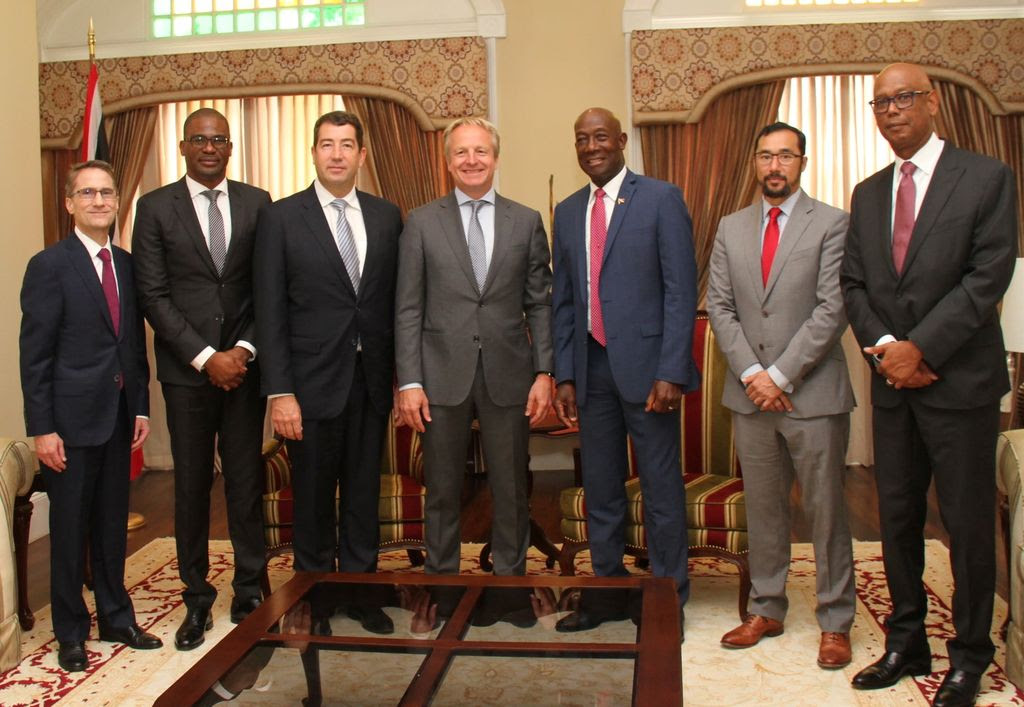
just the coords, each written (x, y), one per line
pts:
(153, 492)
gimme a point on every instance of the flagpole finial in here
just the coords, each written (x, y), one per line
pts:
(92, 42)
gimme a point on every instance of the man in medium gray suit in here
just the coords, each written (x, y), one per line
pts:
(473, 339)
(777, 311)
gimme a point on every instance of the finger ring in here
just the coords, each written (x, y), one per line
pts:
(888, 381)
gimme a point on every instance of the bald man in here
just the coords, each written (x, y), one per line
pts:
(624, 302)
(929, 253)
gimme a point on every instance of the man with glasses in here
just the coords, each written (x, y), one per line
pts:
(84, 377)
(929, 254)
(193, 242)
(777, 313)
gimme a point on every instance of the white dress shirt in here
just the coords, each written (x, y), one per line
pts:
(611, 198)
(484, 214)
(201, 204)
(353, 213)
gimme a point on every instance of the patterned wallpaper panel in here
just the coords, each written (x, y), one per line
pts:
(447, 78)
(673, 69)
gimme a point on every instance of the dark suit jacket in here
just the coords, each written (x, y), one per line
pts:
(71, 362)
(187, 303)
(308, 319)
(958, 266)
(444, 322)
(648, 289)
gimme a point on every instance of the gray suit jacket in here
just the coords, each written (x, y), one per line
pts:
(796, 321)
(442, 320)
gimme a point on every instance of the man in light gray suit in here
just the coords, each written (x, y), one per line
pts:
(777, 312)
(473, 339)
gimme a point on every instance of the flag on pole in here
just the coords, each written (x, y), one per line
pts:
(94, 137)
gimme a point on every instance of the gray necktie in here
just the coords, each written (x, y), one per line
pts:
(477, 250)
(346, 244)
(215, 224)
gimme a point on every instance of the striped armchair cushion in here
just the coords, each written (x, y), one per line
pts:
(715, 507)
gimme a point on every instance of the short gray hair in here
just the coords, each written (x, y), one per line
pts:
(476, 122)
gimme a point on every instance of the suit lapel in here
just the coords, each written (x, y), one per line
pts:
(314, 217)
(451, 223)
(881, 230)
(371, 222)
(796, 225)
(503, 233)
(578, 211)
(241, 216)
(750, 232)
(622, 204)
(186, 213)
(82, 263)
(948, 172)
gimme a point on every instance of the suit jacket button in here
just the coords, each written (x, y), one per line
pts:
(481, 305)
(761, 347)
(476, 339)
(117, 377)
(764, 314)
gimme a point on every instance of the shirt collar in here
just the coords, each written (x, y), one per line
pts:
(462, 197)
(611, 189)
(325, 197)
(196, 189)
(925, 158)
(786, 206)
(92, 246)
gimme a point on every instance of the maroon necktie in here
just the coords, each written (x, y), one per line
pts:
(771, 243)
(110, 290)
(598, 236)
(903, 220)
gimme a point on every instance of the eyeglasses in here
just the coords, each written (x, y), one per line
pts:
(219, 141)
(902, 100)
(89, 194)
(785, 158)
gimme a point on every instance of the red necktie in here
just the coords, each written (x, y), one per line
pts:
(903, 215)
(771, 243)
(598, 236)
(110, 290)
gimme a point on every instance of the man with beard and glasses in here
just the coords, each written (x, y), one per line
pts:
(777, 312)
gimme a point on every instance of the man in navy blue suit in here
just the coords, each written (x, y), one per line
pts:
(84, 377)
(624, 302)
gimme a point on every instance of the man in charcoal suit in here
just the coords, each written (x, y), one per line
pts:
(84, 377)
(929, 254)
(473, 339)
(777, 313)
(324, 287)
(193, 242)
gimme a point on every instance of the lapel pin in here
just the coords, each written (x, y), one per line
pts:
(620, 200)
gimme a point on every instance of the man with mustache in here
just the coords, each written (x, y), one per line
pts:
(777, 313)
(929, 254)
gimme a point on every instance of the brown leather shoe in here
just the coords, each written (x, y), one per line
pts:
(834, 652)
(751, 631)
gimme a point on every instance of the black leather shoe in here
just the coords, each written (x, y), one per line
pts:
(132, 636)
(191, 633)
(887, 671)
(372, 619)
(241, 608)
(958, 689)
(71, 656)
(583, 620)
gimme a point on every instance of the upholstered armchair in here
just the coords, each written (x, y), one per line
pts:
(715, 508)
(1009, 467)
(17, 468)
(402, 495)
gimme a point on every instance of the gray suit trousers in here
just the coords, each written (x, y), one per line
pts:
(773, 450)
(504, 433)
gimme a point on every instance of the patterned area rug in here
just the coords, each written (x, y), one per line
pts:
(781, 670)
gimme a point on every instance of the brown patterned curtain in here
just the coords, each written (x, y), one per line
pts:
(965, 121)
(711, 160)
(129, 135)
(409, 161)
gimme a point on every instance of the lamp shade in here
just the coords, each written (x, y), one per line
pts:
(1012, 317)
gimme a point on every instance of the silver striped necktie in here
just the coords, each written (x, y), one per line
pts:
(477, 249)
(346, 243)
(215, 224)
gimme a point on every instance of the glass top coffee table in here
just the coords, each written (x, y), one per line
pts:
(465, 639)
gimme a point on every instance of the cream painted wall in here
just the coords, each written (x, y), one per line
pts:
(20, 184)
(557, 59)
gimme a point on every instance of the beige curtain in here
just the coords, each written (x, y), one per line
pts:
(843, 148)
(711, 160)
(130, 135)
(409, 162)
(56, 219)
(966, 121)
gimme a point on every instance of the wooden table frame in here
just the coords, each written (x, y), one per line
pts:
(657, 676)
